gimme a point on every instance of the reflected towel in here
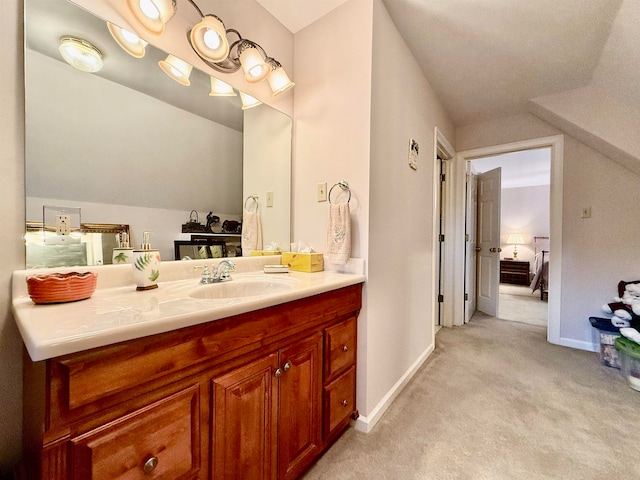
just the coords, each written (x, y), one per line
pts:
(339, 234)
(251, 232)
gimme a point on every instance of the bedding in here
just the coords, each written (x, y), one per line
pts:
(541, 267)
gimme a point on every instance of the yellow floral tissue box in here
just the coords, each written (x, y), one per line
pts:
(303, 262)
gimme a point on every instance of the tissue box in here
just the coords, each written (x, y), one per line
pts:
(263, 253)
(303, 262)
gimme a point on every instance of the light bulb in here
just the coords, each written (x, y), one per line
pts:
(149, 9)
(212, 39)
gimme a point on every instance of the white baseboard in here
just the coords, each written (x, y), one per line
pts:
(366, 424)
(579, 344)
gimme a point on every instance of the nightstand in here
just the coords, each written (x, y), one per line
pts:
(515, 272)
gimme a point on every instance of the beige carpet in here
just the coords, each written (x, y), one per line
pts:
(518, 304)
(496, 401)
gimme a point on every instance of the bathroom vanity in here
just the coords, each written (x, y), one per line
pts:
(255, 394)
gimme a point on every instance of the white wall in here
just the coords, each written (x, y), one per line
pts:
(12, 219)
(598, 252)
(524, 210)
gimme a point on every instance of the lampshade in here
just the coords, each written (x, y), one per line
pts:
(129, 42)
(278, 79)
(177, 69)
(152, 14)
(253, 63)
(80, 54)
(221, 89)
(248, 101)
(515, 239)
(209, 39)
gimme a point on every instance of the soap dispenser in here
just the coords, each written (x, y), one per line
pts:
(123, 253)
(146, 265)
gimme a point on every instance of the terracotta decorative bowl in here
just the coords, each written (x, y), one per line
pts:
(61, 287)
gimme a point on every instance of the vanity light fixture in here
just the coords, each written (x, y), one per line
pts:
(221, 89)
(209, 39)
(278, 78)
(248, 101)
(129, 42)
(152, 14)
(80, 54)
(177, 69)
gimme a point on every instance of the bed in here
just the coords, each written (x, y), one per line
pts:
(541, 267)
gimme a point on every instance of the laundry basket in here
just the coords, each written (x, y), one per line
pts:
(629, 361)
(606, 334)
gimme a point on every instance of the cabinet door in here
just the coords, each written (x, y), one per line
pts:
(300, 409)
(161, 441)
(244, 422)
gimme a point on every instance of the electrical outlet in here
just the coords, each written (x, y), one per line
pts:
(586, 212)
(63, 226)
(322, 192)
(269, 199)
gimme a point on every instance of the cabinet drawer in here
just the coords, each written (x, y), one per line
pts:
(339, 400)
(339, 347)
(160, 441)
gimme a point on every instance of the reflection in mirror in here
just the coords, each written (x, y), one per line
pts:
(128, 145)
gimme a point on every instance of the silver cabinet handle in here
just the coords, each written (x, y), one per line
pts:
(345, 348)
(286, 367)
(150, 464)
(277, 373)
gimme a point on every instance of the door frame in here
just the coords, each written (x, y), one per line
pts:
(443, 148)
(556, 144)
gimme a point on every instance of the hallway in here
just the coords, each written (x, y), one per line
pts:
(497, 401)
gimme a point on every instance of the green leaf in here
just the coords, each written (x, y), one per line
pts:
(154, 275)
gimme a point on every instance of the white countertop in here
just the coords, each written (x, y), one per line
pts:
(117, 311)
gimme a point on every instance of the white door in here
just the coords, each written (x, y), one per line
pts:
(470, 245)
(488, 241)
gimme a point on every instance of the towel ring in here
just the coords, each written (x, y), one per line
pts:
(251, 197)
(344, 185)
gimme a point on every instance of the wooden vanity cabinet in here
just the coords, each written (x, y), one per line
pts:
(255, 396)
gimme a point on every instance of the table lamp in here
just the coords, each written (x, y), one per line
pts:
(515, 239)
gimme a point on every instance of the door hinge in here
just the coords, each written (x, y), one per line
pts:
(466, 297)
(443, 177)
(440, 298)
(466, 237)
(441, 237)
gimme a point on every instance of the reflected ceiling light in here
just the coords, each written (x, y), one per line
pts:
(177, 69)
(152, 14)
(248, 101)
(253, 62)
(278, 79)
(209, 39)
(130, 43)
(80, 54)
(221, 89)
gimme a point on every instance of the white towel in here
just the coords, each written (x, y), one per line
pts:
(251, 232)
(339, 234)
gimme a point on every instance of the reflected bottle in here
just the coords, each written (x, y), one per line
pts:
(123, 253)
(146, 265)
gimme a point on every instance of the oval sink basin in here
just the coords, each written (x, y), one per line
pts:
(243, 288)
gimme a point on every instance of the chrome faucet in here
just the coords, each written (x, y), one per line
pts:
(219, 274)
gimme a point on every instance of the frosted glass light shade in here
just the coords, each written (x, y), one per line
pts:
(80, 54)
(253, 64)
(152, 14)
(129, 42)
(177, 69)
(209, 39)
(221, 89)
(248, 101)
(279, 80)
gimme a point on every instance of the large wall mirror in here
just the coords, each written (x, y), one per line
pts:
(130, 146)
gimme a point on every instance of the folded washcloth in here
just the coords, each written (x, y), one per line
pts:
(251, 231)
(339, 234)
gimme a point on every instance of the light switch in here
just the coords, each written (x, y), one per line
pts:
(322, 192)
(269, 199)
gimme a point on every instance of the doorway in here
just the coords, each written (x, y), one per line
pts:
(556, 146)
(506, 271)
